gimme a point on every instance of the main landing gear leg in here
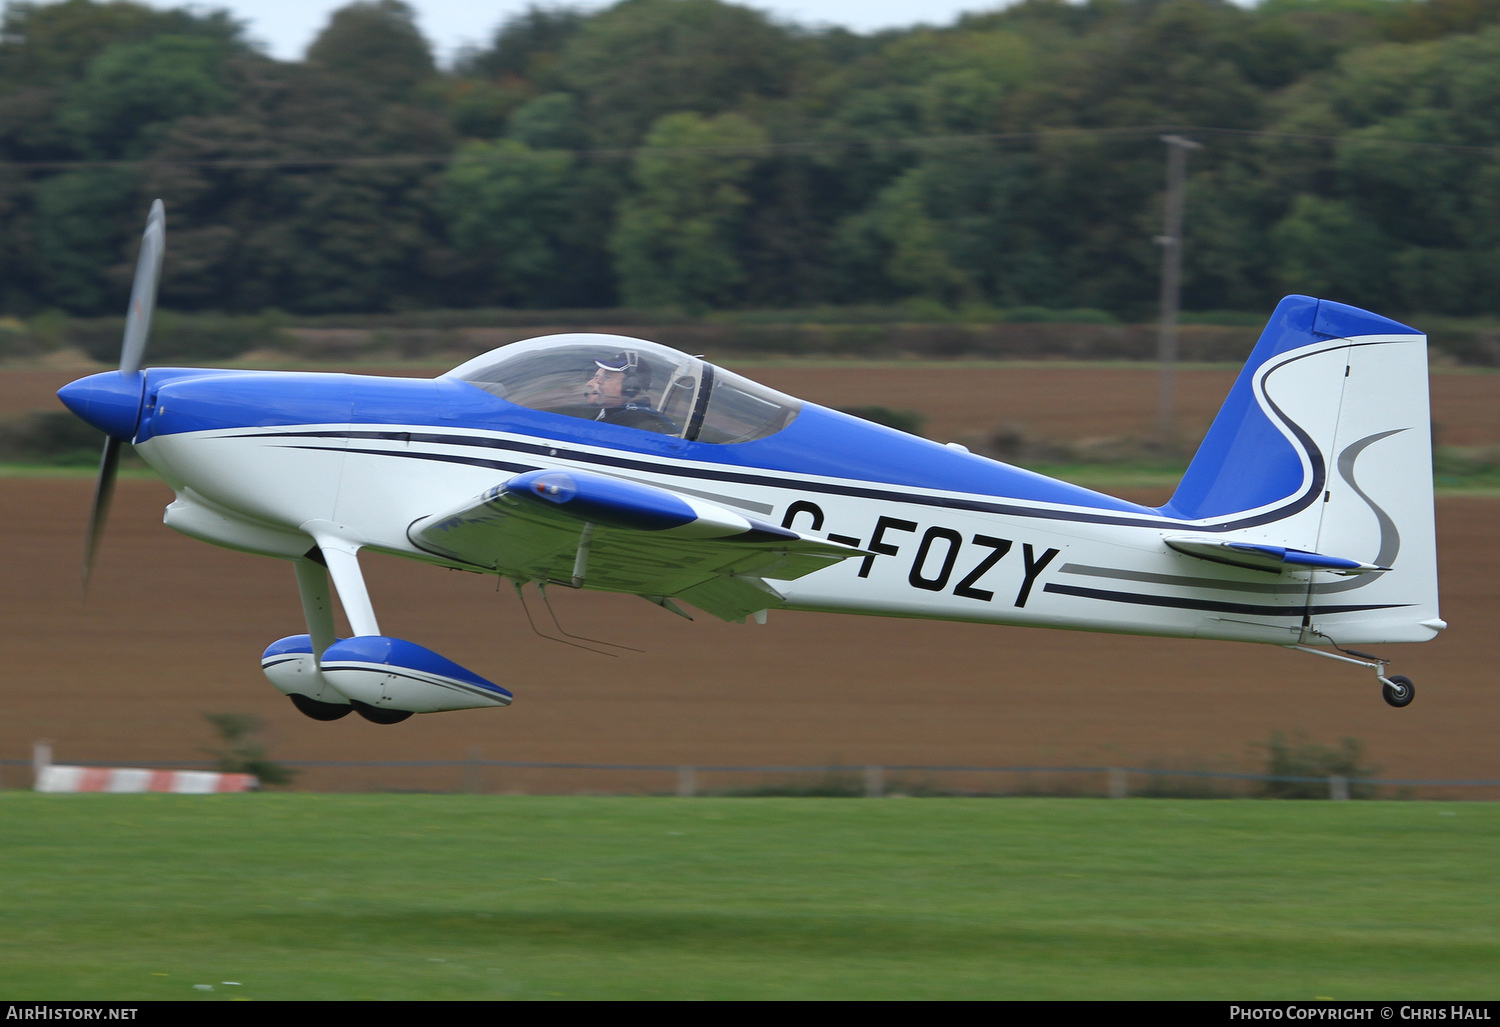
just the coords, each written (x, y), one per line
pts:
(317, 603)
(293, 664)
(1397, 690)
(339, 556)
(335, 557)
(343, 566)
(384, 680)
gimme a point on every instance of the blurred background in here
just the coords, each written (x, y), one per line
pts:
(952, 227)
(698, 155)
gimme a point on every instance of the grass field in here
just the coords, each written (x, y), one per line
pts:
(425, 897)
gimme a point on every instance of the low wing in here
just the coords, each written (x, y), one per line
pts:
(592, 530)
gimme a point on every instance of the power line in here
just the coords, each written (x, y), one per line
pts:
(758, 150)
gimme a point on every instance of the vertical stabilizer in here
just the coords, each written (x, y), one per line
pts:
(1324, 445)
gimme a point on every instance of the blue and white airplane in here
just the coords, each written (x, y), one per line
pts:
(595, 461)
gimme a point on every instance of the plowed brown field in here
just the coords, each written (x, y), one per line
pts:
(173, 629)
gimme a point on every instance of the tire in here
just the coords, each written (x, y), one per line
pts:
(1403, 692)
(378, 714)
(320, 710)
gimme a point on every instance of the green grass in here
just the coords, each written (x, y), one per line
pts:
(39, 470)
(299, 896)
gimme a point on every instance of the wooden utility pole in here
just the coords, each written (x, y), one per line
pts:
(1171, 284)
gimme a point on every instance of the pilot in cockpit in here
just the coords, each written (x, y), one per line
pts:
(621, 389)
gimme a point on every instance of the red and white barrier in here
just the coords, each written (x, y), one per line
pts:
(53, 778)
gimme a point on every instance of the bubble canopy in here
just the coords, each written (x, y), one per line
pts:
(644, 385)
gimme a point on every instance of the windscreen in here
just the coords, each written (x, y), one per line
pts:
(631, 383)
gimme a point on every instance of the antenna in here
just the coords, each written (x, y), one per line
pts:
(568, 636)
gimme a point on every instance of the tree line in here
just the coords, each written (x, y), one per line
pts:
(696, 155)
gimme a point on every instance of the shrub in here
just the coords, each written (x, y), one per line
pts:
(1301, 758)
(242, 752)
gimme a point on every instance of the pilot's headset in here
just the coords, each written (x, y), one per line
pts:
(637, 375)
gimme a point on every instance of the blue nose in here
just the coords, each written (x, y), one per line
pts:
(110, 401)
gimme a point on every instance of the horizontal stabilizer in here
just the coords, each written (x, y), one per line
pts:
(1274, 559)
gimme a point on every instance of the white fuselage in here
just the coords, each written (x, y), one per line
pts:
(266, 491)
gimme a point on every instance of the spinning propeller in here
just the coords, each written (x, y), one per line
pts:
(111, 401)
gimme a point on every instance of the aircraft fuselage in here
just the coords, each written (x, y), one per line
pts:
(261, 459)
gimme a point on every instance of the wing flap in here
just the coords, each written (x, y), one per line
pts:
(732, 596)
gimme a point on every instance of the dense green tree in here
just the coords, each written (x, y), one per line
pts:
(1405, 202)
(530, 221)
(80, 238)
(551, 121)
(642, 59)
(908, 244)
(675, 243)
(376, 43)
(51, 43)
(1181, 61)
(1323, 247)
(953, 229)
(80, 79)
(526, 46)
(695, 153)
(354, 233)
(1226, 246)
(132, 90)
(1433, 18)
(520, 65)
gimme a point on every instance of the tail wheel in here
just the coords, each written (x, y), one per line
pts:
(378, 715)
(320, 710)
(1398, 690)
